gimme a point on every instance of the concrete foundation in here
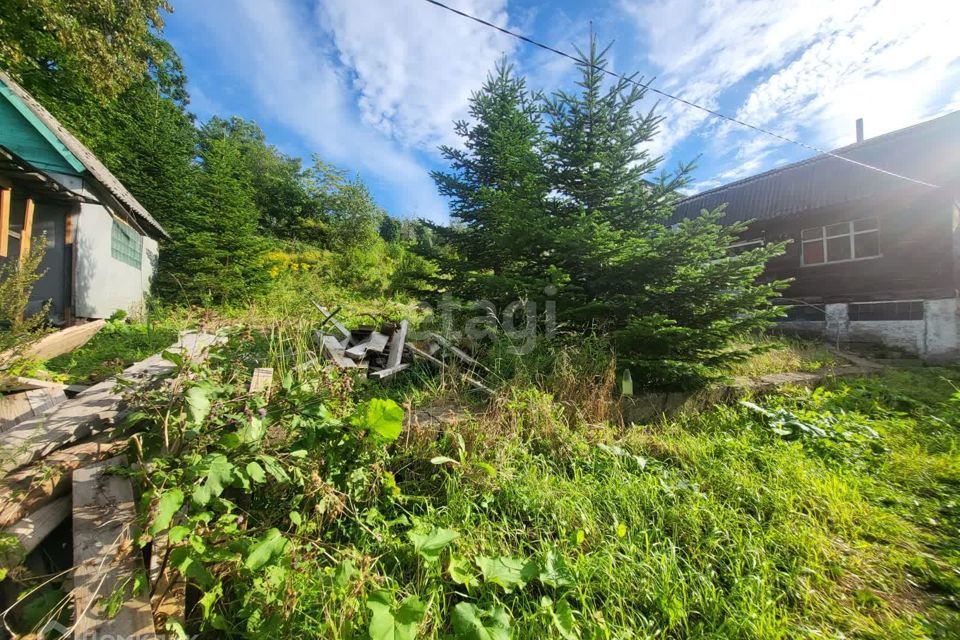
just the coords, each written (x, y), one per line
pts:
(936, 337)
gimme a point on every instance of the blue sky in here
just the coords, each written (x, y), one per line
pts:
(374, 85)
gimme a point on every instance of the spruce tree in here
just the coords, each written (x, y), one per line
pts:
(497, 189)
(577, 201)
(217, 255)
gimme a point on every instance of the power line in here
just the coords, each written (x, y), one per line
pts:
(679, 99)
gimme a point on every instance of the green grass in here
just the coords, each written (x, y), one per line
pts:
(115, 347)
(784, 354)
(709, 525)
(721, 523)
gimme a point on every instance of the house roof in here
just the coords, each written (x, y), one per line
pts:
(74, 151)
(929, 152)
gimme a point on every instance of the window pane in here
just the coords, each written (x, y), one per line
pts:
(126, 244)
(810, 234)
(813, 252)
(865, 225)
(838, 248)
(838, 229)
(866, 245)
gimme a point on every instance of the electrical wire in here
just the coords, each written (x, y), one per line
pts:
(676, 98)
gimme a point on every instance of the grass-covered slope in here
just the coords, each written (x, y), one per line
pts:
(830, 513)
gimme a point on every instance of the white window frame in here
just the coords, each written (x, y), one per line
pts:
(851, 232)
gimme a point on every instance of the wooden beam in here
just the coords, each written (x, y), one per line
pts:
(32, 530)
(104, 556)
(27, 232)
(4, 222)
(96, 407)
(30, 488)
(334, 351)
(396, 345)
(386, 373)
(446, 344)
(329, 317)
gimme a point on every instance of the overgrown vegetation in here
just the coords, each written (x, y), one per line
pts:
(328, 512)
(344, 509)
(20, 325)
(558, 198)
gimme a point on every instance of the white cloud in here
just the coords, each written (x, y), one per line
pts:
(279, 64)
(803, 69)
(413, 65)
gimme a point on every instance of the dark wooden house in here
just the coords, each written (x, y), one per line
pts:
(873, 257)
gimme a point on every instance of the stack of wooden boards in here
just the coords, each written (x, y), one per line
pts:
(55, 466)
(386, 350)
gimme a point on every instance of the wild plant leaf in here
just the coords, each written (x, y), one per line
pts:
(488, 468)
(345, 573)
(272, 545)
(443, 460)
(430, 544)
(472, 623)
(170, 502)
(554, 571)
(256, 472)
(381, 417)
(219, 475)
(561, 615)
(177, 534)
(253, 431)
(210, 598)
(274, 468)
(506, 571)
(461, 571)
(390, 623)
(198, 403)
(170, 356)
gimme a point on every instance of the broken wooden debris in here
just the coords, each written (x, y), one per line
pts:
(329, 317)
(59, 343)
(29, 489)
(386, 373)
(385, 350)
(104, 556)
(397, 342)
(96, 407)
(17, 407)
(334, 351)
(34, 528)
(262, 381)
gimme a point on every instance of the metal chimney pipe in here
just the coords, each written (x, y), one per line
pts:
(859, 129)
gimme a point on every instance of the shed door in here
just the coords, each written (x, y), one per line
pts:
(54, 284)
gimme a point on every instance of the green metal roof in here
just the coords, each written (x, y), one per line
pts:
(22, 132)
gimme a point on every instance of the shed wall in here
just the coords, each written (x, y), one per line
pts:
(104, 284)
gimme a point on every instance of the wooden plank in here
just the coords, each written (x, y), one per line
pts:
(4, 222)
(42, 401)
(329, 317)
(396, 345)
(262, 381)
(378, 342)
(34, 528)
(104, 556)
(65, 341)
(334, 351)
(472, 381)
(27, 233)
(375, 343)
(386, 373)
(446, 344)
(77, 418)
(13, 409)
(357, 352)
(30, 488)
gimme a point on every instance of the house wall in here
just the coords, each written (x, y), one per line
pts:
(917, 237)
(104, 284)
